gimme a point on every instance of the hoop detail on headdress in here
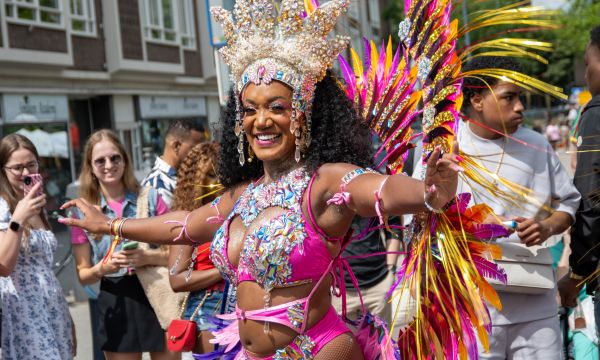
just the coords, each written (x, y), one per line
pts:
(289, 44)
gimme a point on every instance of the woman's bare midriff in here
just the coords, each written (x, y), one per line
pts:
(250, 297)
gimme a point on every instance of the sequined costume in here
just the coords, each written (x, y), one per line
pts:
(281, 250)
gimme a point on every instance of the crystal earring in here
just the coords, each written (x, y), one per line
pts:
(239, 132)
(295, 129)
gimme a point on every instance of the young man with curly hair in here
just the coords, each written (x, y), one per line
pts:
(585, 234)
(527, 326)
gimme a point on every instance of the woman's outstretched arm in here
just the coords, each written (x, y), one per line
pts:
(178, 227)
(370, 193)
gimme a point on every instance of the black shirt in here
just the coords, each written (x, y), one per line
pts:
(585, 233)
(371, 270)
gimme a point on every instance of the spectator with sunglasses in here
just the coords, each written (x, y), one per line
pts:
(35, 316)
(128, 325)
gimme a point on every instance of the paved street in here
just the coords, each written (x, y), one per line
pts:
(81, 315)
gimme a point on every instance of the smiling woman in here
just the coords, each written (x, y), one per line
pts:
(333, 119)
(107, 181)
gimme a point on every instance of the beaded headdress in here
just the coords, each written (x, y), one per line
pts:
(287, 43)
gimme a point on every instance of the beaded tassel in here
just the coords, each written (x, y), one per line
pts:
(239, 131)
(188, 274)
(267, 300)
(173, 269)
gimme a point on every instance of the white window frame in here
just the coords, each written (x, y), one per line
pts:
(88, 17)
(37, 9)
(186, 12)
(149, 27)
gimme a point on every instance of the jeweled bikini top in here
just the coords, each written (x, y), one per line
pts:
(281, 250)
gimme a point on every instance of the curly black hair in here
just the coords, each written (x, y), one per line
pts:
(337, 136)
(479, 84)
(595, 36)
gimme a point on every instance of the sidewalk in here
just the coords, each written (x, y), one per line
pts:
(80, 312)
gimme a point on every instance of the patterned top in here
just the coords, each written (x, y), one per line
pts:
(163, 178)
(36, 324)
(275, 248)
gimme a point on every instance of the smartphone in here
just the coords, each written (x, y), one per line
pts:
(130, 245)
(29, 182)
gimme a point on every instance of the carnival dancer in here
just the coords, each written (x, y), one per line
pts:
(513, 156)
(279, 229)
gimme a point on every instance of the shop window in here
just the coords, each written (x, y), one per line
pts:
(160, 22)
(83, 17)
(35, 12)
(186, 24)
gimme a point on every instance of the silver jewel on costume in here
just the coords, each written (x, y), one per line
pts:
(295, 314)
(423, 68)
(428, 115)
(404, 30)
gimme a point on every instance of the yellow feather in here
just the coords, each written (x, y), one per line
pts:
(388, 57)
(308, 6)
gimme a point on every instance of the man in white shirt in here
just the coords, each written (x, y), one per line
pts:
(527, 327)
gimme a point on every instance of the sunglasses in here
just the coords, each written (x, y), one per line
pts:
(115, 159)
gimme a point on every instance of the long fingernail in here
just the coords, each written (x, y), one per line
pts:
(432, 188)
(62, 220)
(459, 158)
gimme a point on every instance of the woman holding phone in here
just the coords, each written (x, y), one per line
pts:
(128, 325)
(36, 323)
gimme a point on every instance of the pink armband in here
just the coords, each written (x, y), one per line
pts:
(378, 205)
(217, 219)
(183, 228)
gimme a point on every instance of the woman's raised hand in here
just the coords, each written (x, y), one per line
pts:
(441, 177)
(94, 221)
(29, 205)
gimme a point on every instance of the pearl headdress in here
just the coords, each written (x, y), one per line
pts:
(287, 43)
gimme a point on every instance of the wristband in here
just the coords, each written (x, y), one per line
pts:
(429, 207)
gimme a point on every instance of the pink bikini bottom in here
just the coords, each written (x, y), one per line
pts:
(307, 345)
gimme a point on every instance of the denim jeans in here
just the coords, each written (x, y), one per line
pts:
(211, 307)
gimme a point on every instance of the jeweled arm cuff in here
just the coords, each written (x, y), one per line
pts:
(343, 197)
